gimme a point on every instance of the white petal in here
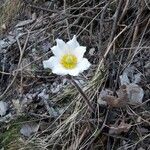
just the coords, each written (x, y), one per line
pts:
(59, 70)
(63, 71)
(74, 72)
(83, 65)
(79, 52)
(60, 43)
(73, 43)
(50, 63)
(61, 48)
(57, 51)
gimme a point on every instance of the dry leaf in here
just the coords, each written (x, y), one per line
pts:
(135, 93)
(113, 101)
(103, 94)
(122, 92)
(129, 72)
(122, 127)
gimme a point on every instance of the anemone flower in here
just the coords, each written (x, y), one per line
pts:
(68, 58)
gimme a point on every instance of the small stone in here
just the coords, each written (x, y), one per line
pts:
(3, 44)
(3, 108)
(28, 129)
(124, 80)
(43, 94)
(91, 51)
(137, 78)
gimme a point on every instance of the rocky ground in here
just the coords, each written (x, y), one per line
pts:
(40, 110)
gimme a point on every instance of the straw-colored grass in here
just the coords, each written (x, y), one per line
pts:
(8, 12)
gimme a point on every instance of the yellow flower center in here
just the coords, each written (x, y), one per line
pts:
(69, 61)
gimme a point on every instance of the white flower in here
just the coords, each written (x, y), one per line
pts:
(68, 58)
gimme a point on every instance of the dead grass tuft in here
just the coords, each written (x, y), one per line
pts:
(9, 10)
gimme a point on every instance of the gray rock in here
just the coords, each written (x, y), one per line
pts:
(3, 108)
(28, 129)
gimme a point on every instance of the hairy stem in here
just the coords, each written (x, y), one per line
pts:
(81, 92)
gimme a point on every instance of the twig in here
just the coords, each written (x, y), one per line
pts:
(20, 58)
(108, 49)
(116, 15)
(97, 132)
(134, 31)
(66, 20)
(101, 25)
(19, 63)
(124, 11)
(147, 4)
(136, 51)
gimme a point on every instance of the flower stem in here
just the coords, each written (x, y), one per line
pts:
(81, 92)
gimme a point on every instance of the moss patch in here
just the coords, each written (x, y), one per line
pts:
(10, 136)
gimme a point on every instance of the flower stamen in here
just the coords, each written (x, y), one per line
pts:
(69, 61)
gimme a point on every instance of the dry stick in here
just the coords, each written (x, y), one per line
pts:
(136, 51)
(20, 59)
(134, 113)
(147, 4)
(66, 20)
(122, 16)
(142, 47)
(82, 16)
(82, 137)
(97, 132)
(108, 49)
(101, 25)
(21, 55)
(124, 11)
(135, 30)
(111, 41)
(51, 10)
(116, 15)
(81, 92)
(134, 38)
(146, 27)
(90, 22)
(141, 139)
